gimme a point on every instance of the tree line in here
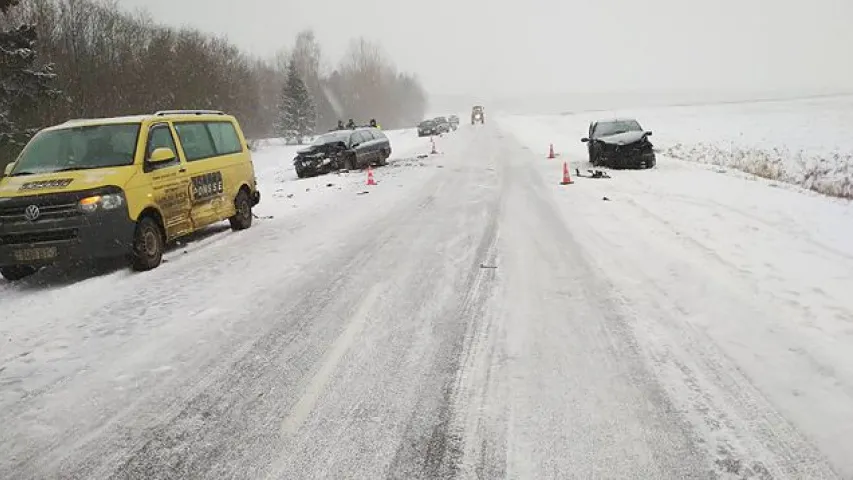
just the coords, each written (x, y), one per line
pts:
(62, 59)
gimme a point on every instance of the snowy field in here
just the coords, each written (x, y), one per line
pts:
(805, 143)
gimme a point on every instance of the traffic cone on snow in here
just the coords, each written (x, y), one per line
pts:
(370, 179)
(551, 152)
(434, 151)
(567, 180)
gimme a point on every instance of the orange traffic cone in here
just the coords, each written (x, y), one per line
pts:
(370, 179)
(567, 180)
(551, 152)
(434, 151)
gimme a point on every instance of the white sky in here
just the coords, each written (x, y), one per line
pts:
(550, 46)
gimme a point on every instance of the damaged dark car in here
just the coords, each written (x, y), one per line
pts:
(324, 155)
(343, 149)
(620, 143)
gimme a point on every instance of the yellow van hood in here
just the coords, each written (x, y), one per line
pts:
(71, 181)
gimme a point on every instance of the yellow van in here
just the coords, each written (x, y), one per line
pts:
(124, 186)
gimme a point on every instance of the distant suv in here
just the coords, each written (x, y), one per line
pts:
(477, 115)
(125, 186)
(349, 149)
(454, 121)
(620, 143)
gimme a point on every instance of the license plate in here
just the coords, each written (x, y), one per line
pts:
(33, 254)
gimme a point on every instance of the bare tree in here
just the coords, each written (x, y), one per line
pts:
(112, 62)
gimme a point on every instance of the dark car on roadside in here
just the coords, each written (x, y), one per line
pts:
(343, 149)
(620, 143)
(427, 128)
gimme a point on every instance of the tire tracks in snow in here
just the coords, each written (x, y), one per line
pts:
(434, 443)
(146, 436)
(603, 336)
(742, 432)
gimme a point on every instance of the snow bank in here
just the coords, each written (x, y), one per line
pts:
(805, 143)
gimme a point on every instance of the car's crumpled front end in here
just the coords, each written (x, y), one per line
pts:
(627, 150)
(319, 159)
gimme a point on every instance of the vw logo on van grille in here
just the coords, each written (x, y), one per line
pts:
(32, 213)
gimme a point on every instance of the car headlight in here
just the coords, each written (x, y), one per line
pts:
(107, 202)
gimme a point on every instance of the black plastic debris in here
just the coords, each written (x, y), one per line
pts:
(605, 199)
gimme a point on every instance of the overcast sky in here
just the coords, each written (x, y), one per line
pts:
(550, 46)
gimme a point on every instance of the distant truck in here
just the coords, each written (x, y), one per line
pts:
(477, 115)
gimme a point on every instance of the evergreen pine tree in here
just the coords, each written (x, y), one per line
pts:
(22, 83)
(297, 117)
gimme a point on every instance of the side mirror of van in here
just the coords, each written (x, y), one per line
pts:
(8, 170)
(162, 155)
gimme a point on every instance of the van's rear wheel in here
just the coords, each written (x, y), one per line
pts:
(148, 245)
(17, 272)
(243, 218)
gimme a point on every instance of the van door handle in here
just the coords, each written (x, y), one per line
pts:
(183, 170)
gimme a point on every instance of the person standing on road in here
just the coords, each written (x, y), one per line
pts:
(340, 124)
(351, 124)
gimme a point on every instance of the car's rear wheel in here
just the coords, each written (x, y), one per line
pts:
(148, 245)
(243, 218)
(17, 272)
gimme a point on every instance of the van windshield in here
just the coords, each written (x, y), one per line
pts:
(79, 148)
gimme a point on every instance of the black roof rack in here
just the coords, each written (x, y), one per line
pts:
(189, 112)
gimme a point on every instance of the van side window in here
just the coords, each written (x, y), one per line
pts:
(196, 140)
(160, 136)
(225, 138)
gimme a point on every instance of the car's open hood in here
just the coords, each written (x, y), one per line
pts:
(625, 138)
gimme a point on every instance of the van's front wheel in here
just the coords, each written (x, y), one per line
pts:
(148, 245)
(243, 218)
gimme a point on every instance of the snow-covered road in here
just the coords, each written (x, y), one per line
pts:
(466, 318)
